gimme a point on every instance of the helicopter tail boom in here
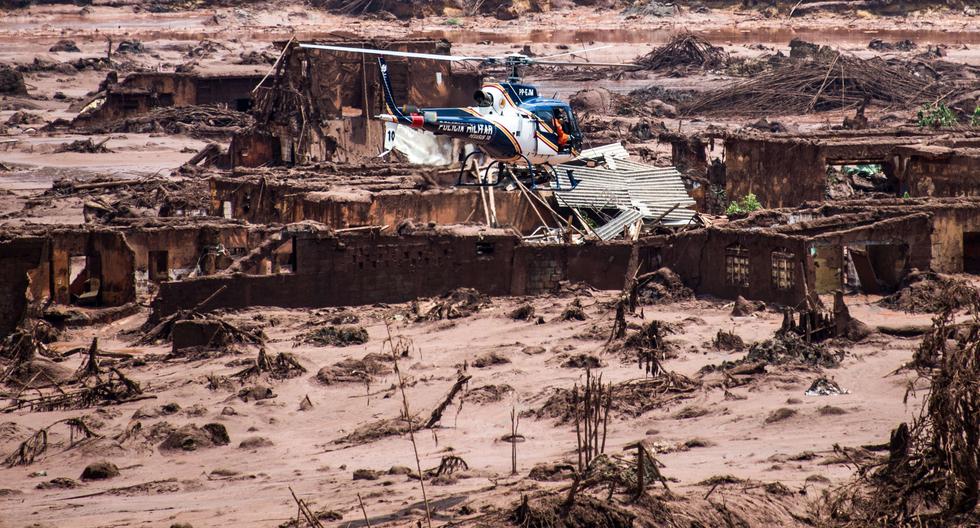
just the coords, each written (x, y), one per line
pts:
(392, 113)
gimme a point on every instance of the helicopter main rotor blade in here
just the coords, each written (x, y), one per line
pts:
(572, 52)
(433, 56)
(603, 64)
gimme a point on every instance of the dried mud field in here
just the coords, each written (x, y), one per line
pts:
(565, 408)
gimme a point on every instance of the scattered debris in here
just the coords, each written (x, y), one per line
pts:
(37, 444)
(929, 292)
(86, 146)
(728, 341)
(902, 45)
(783, 413)
(461, 302)
(201, 121)
(743, 307)
(573, 312)
(825, 387)
(11, 81)
(281, 366)
(219, 333)
(490, 359)
(631, 398)
(21, 117)
(659, 287)
(930, 476)
(818, 84)
(339, 336)
(524, 312)
(131, 46)
(789, 346)
(685, 50)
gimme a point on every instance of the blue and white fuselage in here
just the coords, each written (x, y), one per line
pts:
(510, 123)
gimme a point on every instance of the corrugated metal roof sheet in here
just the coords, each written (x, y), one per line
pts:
(614, 150)
(653, 191)
(614, 227)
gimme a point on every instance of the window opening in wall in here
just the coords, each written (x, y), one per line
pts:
(737, 265)
(76, 266)
(159, 265)
(484, 248)
(782, 269)
(84, 282)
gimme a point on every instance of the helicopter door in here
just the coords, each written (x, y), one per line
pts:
(543, 124)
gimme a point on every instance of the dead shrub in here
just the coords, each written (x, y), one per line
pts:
(490, 359)
(339, 336)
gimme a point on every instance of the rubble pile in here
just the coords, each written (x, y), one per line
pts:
(789, 347)
(659, 287)
(86, 146)
(331, 335)
(202, 121)
(461, 302)
(929, 292)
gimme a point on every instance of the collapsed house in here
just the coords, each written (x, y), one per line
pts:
(111, 266)
(141, 92)
(786, 170)
(362, 196)
(318, 105)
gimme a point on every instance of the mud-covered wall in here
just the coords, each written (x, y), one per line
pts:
(910, 236)
(180, 248)
(785, 172)
(947, 242)
(18, 257)
(700, 258)
(261, 203)
(779, 173)
(364, 269)
(939, 171)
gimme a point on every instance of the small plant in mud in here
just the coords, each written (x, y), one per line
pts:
(935, 116)
(453, 22)
(975, 118)
(746, 205)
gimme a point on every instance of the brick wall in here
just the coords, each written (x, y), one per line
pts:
(364, 269)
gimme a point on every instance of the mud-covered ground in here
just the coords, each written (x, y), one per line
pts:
(709, 432)
(761, 432)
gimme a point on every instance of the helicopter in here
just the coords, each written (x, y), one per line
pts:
(522, 133)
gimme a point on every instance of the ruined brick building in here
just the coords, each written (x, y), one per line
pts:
(787, 169)
(318, 105)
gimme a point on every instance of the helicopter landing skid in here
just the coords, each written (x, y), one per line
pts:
(525, 173)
